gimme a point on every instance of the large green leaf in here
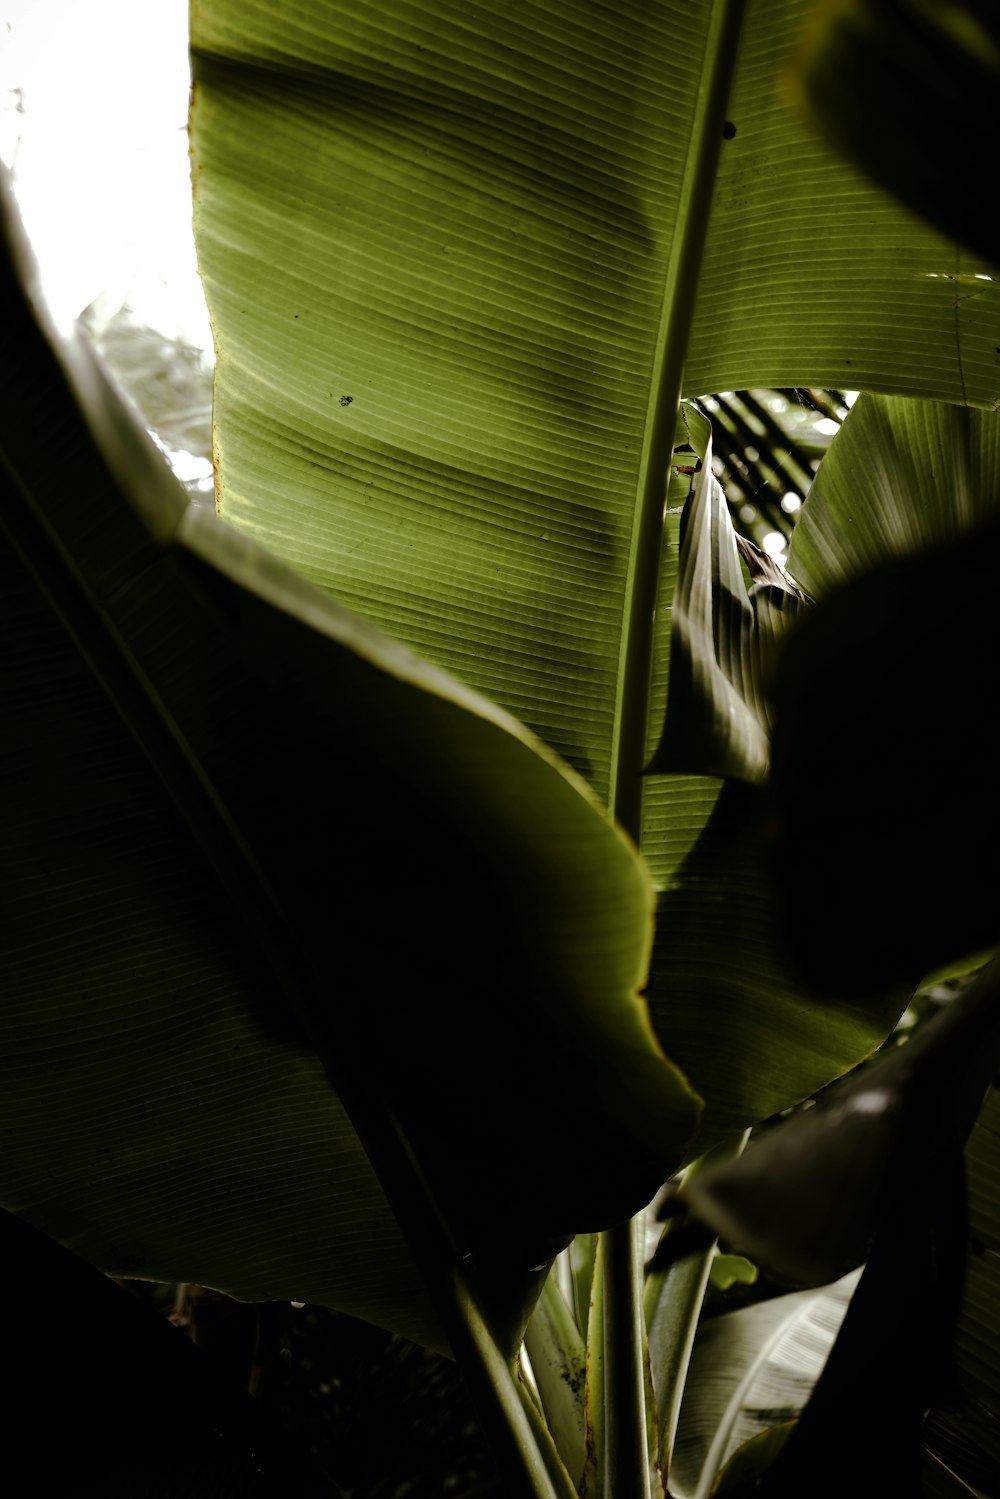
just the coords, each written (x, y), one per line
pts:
(442, 246)
(456, 260)
(559, 1365)
(237, 815)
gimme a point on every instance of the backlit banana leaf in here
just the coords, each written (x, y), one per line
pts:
(899, 477)
(456, 259)
(236, 815)
(442, 245)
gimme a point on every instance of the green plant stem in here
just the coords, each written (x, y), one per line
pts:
(625, 1469)
(526, 1457)
(558, 1363)
(626, 1465)
(676, 320)
(672, 1303)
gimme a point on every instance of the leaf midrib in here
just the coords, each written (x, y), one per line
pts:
(673, 336)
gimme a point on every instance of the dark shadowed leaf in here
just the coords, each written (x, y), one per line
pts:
(880, 706)
(938, 1481)
(806, 1201)
(884, 802)
(727, 1003)
(908, 91)
(890, 1358)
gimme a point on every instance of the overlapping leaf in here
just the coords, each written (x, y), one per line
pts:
(902, 88)
(900, 850)
(751, 1370)
(206, 767)
(440, 245)
(963, 1431)
(559, 1364)
(452, 257)
(808, 1200)
(901, 477)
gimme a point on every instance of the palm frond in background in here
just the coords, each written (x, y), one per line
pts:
(169, 381)
(767, 445)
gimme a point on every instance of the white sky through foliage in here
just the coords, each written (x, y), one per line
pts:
(93, 109)
(93, 123)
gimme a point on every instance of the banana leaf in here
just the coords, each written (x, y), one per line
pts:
(456, 262)
(558, 1357)
(253, 848)
(900, 477)
(960, 1432)
(874, 1172)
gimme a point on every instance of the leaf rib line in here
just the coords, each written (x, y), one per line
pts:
(676, 320)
